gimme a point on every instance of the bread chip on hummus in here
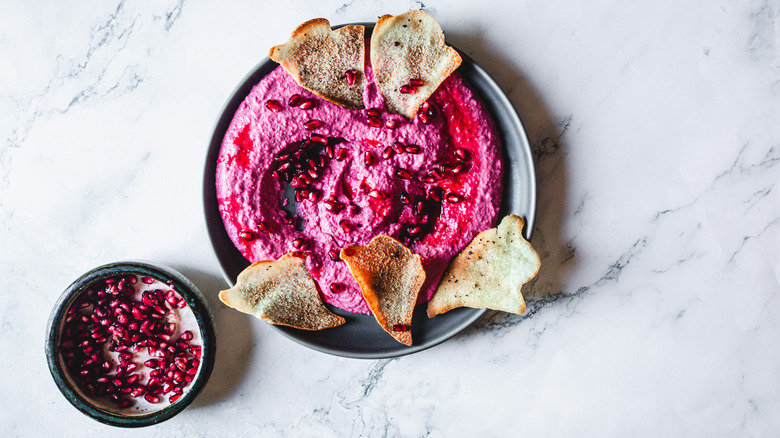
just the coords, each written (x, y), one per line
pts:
(281, 292)
(329, 63)
(390, 277)
(410, 60)
(489, 272)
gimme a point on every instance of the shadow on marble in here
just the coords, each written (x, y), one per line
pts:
(232, 359)
(546, 134)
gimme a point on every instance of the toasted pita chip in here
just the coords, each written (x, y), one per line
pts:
(281, 292)
(319, 58)
(410, 47)
(489, 272)
(390, 277)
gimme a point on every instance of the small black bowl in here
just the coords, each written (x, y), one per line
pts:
(92, 406)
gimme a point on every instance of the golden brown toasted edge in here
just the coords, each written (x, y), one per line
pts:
(390, 278)
(318, 58)
(391, 72)
(281, 292)
(489, 272)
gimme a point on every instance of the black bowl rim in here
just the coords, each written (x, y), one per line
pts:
(184, 287)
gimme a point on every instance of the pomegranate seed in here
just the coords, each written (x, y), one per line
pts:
(273, 105)
(313, 124)
(333, 206)
(404, 198)
(431, 111)
(424, 119)
(375, 122)
(174, 397)
(436, 173)
(399, 147)
(415, 230)
(407, 89)
(264, 228)
(152, 363)
(416, 82)
(435, 193)
(308, 104)
(461, 154)
(349, 251)
(342, 154)
(351, 76)
(181, 363)
(295, 100)
(458, 169)
(374, 112)
(346, 226)
(388, 153)
(368, 158)
(334, 255)
(336, 288)
(138, 391)
(453, 198)
(297, 243)
(152, 398)
(391, 124)
(428, 179)
(412, 149)
(315, 195)
(425, 106)
(321, 139)
(138, 314)
(246, 235)
(376, 194)
(399, 328)
(147, 280)
(403, 174)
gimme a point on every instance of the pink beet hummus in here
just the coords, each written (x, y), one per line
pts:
(434, 201)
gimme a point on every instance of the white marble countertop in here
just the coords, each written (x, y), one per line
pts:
(655, 128)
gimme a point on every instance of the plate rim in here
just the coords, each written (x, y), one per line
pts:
(468, 316)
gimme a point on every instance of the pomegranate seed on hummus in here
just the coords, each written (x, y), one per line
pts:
(289, 175)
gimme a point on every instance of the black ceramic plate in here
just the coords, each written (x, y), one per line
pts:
(362, 337)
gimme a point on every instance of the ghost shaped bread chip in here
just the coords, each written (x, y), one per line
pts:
(410, 60)
(329, 63)
(489, 272)
(390, 278)
(281, 292)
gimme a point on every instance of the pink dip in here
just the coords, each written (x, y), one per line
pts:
(460, 131)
